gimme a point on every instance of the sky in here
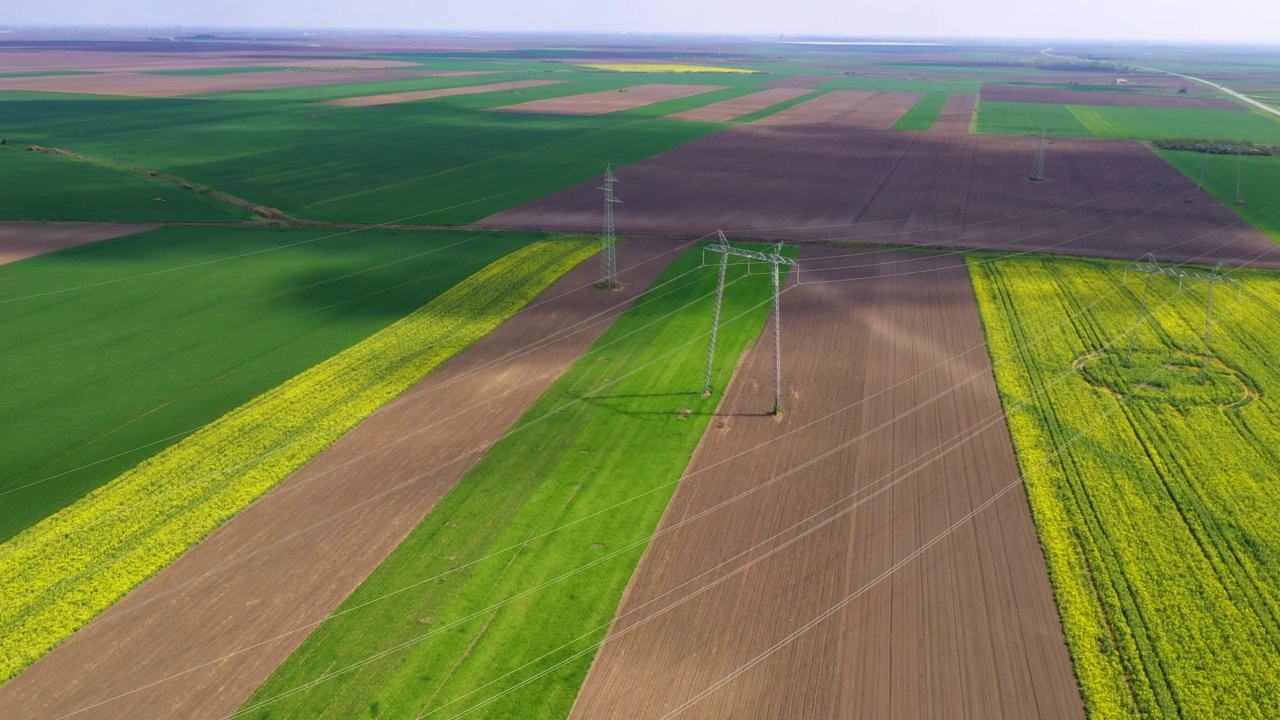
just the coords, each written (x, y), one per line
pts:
(1236, 21)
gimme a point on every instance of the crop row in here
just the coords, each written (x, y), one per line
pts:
(1153, 490)
(61, 572)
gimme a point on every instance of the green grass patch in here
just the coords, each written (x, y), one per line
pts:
(40, 186)
(775, 109)
(61, 572)
(438, 162)
(1153, 490)
(924, 113)
(1259, 179)
(612, 436)
(1140, 123)
(1028, 118)
(130, 344)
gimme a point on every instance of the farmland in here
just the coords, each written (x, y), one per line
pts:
(86, 556)
(315, 405)
(120, 348)
(1158, 523)
(931, 189)
(525, 516)
(321, 532)
(887, 441)
(924, 113)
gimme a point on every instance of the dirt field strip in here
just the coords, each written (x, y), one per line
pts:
(957, 114)
(392, 98)
(20, 240)
(969, 630)
(1102, 198)
(734, 108)
(142, 85)
(848, 108)
(109, 61)
(302, 579)
(607, 101)
(1119, 98)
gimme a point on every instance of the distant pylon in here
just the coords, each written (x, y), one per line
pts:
(1037, 167)
(609, 256)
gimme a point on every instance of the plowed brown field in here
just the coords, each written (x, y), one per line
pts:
(20, 240)
(142, 85)
(599, 103)
(732, 109)
(896, 369)
(1104, 198)
(848, 108)
(956, 115)
(265, 579)
(392, 98)
(1124, 98)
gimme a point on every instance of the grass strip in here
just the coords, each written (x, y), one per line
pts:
(924, 113)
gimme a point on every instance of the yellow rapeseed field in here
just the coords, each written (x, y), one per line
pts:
(60, 573)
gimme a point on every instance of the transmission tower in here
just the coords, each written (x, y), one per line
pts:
(609, 254)
(1037, 166)
(1149, 265)
(775, 259)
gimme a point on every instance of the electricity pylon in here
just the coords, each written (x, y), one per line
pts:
(609, 254)
(775, 259)
(1037, 166)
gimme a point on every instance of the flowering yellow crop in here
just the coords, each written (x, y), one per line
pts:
(60, 573)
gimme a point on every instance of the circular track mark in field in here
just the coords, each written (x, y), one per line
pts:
(1173, 377)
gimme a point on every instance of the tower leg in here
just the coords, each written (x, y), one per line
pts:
(715, 325)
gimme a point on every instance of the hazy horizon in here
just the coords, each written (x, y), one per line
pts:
(1141, 21)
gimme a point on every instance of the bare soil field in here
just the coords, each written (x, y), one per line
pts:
(142, 85)
(264, 580)
(393, 98)
(20, 240)
(892, 433)
(599, 103)
(1103, 198)
(734, 108)
(848, 108)
(957, 114)
(1056, 96)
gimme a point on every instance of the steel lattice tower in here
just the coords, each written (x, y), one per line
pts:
(609, 242)
(775, 259)
(1037, 166)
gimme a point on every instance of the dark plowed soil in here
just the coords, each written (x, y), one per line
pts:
(1101, 197)
(886, 358)
(848, 108)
